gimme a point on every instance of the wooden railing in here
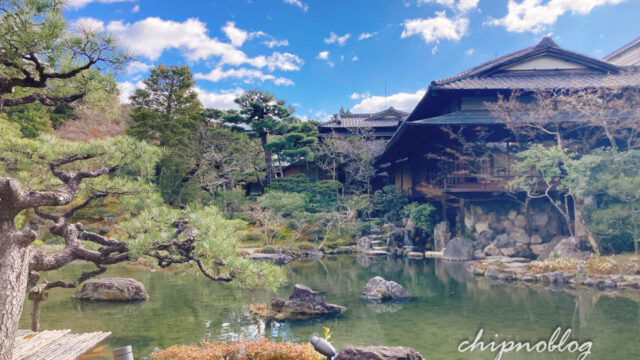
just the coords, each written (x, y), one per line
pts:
(471, 183)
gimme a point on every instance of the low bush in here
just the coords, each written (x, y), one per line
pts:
(260, 349)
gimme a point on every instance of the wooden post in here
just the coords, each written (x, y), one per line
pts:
(123, 353)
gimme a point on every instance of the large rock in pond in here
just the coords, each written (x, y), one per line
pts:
(378, 353)
(112, 289)
(569, 248)
(302, 304)
(485, 238)
(441, 236)
(379, 289)
(503, 241)
(364, 244)
(278, 259)
(459, 249)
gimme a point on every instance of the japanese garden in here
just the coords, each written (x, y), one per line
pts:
(505, 199)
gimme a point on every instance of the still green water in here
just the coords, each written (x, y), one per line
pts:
(449, 307)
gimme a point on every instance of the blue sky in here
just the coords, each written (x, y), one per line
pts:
(320, 55)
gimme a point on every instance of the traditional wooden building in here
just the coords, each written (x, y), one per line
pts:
(382, 124)
(423, 156)
(628, 55)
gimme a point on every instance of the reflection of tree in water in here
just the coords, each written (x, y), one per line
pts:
(585, 304)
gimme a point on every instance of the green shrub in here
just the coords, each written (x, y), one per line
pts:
(320, 195)
(422, 215)
(389, 202)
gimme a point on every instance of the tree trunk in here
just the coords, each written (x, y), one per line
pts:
(581, 229)
(268, 159)
(14, 270)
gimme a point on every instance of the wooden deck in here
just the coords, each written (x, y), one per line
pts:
(54, 344)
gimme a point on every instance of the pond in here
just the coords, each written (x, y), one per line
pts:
(449, 306)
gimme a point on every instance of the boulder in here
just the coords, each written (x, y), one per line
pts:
(441, 236)
(519, 250)
(482, 226)
(491, 250)
(302, 304)
(378, 353)
(112, 289)
(486, 237)
(520, 221)
(520, 238)
(459, 249)
(539, 219)
(416, 255)
(502, 241)
(278, 259)
(569, 248)
(536, 239)
(379, 289)
(492, 272)
(512, 214)
(364, 243)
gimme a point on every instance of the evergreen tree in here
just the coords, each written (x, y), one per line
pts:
(167, 111)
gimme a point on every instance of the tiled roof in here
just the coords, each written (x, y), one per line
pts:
(627, 55)
(546, 46)
(547, 80)
(386, 118)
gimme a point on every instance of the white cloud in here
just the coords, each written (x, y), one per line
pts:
(82, 3)
(469, 52)
(89, 24)
(284, 61)
(239, 36)
(276, 43)
(366, 35)
(127, 88)
(223, 99)
(323, 55)
(152, 36)
(334, 38)
(137, 67)
(460, 5)
(355, 58)
(357, 96)
(434, 50)
(436, 28)
(534, 16)
(135, 9)
(243, 74)
(298, 3)
(402, 101)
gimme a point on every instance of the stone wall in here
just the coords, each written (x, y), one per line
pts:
(510, 228)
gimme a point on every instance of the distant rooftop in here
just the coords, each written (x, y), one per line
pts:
(387, 118)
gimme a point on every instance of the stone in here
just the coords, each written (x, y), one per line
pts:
(509, 251)
(491, 250)
(512, 215)
(502, 241)
(492, 272)
(609, 284)
(416, 255)
(536, 239)
(481, 226)
(314, 254)
(378, 353)
(459, 249)
(485, 237)
(553, 278)
(539, 219)
(376, 230)
(569, 248)
(519, 250)
(302, 304)
(277, 259)
(479, 254)
(364, 243)
(542, 250)
(520, 238)
(441, 236)
(112, 289)
(379, 289)
(520, 221)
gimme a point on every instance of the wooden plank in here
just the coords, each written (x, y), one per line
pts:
(29, 344)
(55, 344)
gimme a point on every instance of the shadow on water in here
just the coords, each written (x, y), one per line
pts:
(449, 306)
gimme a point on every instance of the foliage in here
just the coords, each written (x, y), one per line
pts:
(264, 115)
(390, 201)
(282, 203)
(47, 61)
(320, 195)
(360, 205)
(422, 215)
(295, 144)
(215, 242)
(166, 111)
(230, 201)
(259, 349)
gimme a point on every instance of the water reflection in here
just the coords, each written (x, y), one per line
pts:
(449, 306)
